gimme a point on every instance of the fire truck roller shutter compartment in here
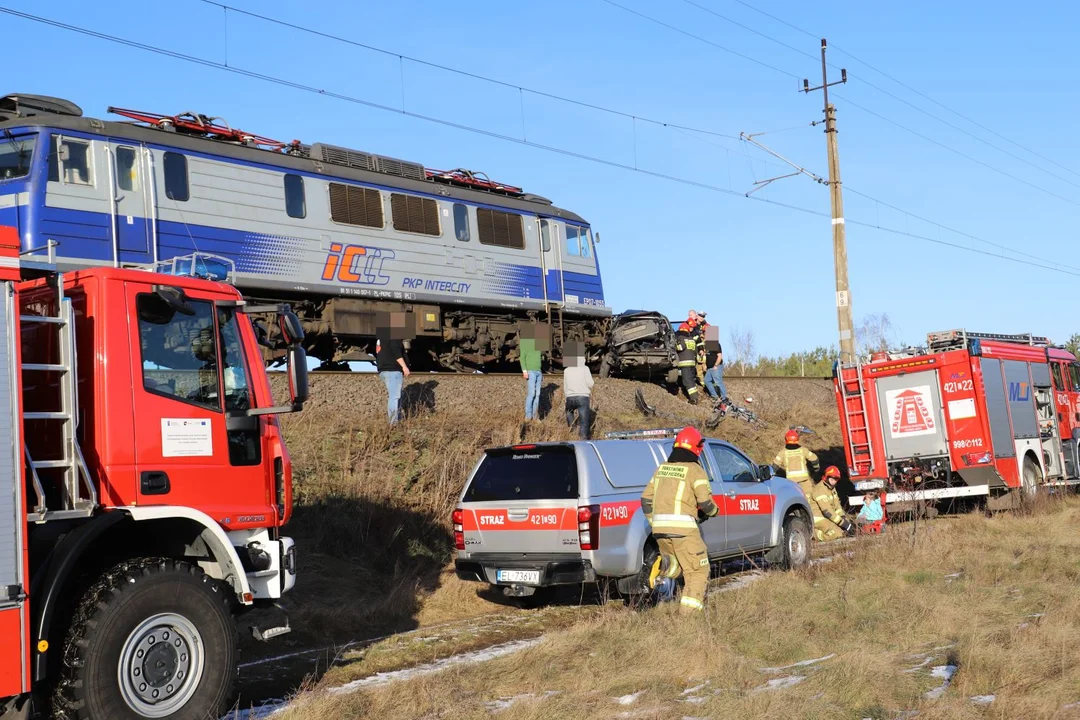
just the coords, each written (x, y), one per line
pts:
(911, 414)
(10, 481)
(997, 408)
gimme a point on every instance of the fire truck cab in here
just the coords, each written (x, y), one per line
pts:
(143, 486)
(970, 414)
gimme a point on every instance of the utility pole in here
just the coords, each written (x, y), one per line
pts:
(845, 321)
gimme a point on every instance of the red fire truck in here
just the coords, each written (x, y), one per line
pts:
(143, 485)
(971, 414)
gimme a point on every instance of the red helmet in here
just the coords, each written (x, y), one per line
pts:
(832, 472)
(689, 439)
(791, 437)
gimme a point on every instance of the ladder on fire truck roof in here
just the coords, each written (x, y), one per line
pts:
(856, 421)
(77, 495)
(955, 339)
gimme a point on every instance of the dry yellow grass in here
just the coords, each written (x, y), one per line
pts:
(996, 596)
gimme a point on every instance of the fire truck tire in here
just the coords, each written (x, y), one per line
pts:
(1030, 480)
(793, 550)
(152, 638)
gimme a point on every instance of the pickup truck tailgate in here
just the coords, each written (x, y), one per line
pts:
(523, 500)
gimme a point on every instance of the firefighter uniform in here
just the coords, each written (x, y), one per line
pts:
(797, 461)
(830, 522)
(686, 361)
(671, 502)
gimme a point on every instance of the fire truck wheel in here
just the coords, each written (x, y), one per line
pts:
(794, 548)
(153, 638)
(1031, 479)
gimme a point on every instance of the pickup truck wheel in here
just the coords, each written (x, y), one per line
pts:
(794, 548)
(153, 638)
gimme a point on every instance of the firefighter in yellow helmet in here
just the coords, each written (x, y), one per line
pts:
(675, 498)
(797, 462)
(830, 522)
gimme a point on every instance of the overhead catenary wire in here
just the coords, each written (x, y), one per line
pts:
(234, 69)
(880, 89)
(904, 85)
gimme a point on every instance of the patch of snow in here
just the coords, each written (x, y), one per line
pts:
(695, 699)
(945, 674)
(780, 683)
(953, 576)
(1071, 706)
(950, 646)
(1036, 615)
(467, 658)
(739, 582)
(983, 699)
(629, 699)
(801, 663)
(507, 702)
(691, 691)
(259, 712)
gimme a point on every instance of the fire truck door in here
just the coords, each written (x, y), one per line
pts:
(911, 415)
(193, 445)
(14, 620)
(1047, 418)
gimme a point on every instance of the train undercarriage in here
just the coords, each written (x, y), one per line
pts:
(340, 331)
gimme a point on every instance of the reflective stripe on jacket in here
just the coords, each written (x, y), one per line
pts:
(674, 495)
(795, 462)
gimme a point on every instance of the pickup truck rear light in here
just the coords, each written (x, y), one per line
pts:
(978, 458)
(588, 517)
(458, 517)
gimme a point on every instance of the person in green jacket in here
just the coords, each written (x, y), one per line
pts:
(531, 343)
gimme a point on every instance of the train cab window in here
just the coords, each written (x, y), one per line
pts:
(75, 162)
(295, 204)
(127, 168)
(415, 214)
(500, 229)
(15, 155)
(586, 242)
(572, 246)
(176, 177)
(1074, 375)
(461, 222)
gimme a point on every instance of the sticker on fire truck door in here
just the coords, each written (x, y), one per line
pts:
(961, 409)
(186, 437)
(911, 414)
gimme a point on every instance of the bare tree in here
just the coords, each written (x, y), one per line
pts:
(875, 333)
(742, 342)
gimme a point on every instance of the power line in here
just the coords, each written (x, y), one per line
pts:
(718, 46)
(488, 133)
(458, 71)
(904, 85)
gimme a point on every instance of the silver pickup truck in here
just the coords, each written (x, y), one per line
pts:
(536, 516)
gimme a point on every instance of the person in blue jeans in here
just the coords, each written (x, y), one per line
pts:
(714, 364)
(531, 344)
(390, 360)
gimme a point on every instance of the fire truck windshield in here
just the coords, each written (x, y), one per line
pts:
(15, 156)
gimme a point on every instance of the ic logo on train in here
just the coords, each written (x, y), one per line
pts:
(356, 264)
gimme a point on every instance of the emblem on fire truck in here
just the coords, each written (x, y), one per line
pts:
(911, 413)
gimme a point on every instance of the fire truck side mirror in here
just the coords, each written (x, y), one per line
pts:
(290, 326)
(298, 376)
(175, 298)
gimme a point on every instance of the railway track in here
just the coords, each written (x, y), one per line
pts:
(436, 373)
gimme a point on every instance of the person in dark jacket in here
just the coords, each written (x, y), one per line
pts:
(390, 359)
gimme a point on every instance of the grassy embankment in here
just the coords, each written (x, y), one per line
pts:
(995, 597)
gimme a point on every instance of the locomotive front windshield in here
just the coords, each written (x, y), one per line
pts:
(15, 156)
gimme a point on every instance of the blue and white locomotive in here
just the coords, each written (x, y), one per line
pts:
(341, 234)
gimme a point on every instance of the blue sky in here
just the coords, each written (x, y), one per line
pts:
(666, 245)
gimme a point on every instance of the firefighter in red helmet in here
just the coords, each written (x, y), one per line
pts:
(797, 462)
(830, 521)
(677, 497)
